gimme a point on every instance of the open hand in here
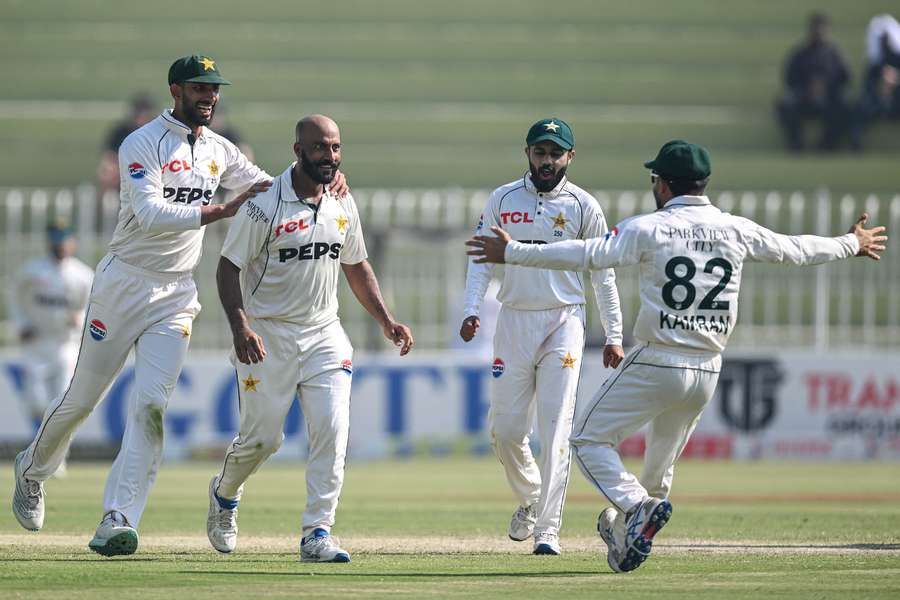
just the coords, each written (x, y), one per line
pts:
(488, 249)
(870, 242)
(401, 336)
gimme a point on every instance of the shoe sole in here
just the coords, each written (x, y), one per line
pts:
(121, 544)
(339, 558)
(639, 550)
(546, 550)
(515, 539)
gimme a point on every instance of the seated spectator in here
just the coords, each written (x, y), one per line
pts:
(815, 75)
(880, 97)
(143, 110)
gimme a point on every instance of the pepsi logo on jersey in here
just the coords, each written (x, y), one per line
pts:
(311, 251)
(497, 368)
(97, 329)
(347, 365)
(187, 195)
(136, 170)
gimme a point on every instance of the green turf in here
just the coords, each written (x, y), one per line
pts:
(760, 518)
(433, 94)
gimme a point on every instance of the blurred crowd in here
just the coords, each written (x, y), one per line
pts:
(817, 81)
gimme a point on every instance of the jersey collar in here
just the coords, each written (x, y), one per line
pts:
(687, 201)
(529, 185)
(177, 126)
(287, 188)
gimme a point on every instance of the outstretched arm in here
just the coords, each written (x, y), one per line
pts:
(365, 287)
(767, 246)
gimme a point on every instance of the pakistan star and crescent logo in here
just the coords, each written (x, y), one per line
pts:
(250, 383)
(568, 361)
(213, 168)
(342, 223)
(551, 126)
(185, 331)
(208, 63)
(559, 221)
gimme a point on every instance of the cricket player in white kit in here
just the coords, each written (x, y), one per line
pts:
(47, 303)
(278, 279)
(540, 332)
(144, 298)
(691, 256)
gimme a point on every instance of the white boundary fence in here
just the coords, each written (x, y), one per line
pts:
(415, 240)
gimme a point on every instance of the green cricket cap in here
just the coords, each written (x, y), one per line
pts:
(679, 159)
(196, 68)
(554, 129)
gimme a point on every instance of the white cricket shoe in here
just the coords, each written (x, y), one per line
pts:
(642, 524)
(28, 499)
(114, 536)
(521, 527)
(321, 546)
(611, 527)
(546, 543)
(221, 523)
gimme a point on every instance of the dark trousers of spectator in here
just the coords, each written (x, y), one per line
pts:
(871, 108)
(793, 111)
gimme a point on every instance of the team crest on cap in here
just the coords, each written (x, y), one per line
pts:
(551, 126)
(97, 329)
(347, 365)
(136, 170)
(497, 368)
(208, 63)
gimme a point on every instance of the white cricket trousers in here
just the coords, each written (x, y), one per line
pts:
(128, 308)
(49, 365)
(539, 354)
(316, 364)
(663, 387)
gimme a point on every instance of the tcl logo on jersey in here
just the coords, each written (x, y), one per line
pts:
(515, 217)
(291, 226)
(497, 368)
(97, 329)
(187, 195)
(136, 170)
(347, 365)
(311, 251)
(176, 166)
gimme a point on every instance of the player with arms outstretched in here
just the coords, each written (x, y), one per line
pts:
(691, 256)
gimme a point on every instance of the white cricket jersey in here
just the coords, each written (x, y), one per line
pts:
(164, 182)
(691, 257)
(50, 296)
(566, 212)
(289, 253)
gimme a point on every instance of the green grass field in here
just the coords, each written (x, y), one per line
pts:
(437, 529)
(432, 93)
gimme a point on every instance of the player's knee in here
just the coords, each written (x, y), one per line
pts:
(508, 432)
(266, 445)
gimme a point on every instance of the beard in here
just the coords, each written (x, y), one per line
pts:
(545, 185)
(194, 118)
(320, 172)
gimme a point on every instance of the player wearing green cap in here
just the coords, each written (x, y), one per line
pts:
(691, 257)
(540, 332)
(144, 297)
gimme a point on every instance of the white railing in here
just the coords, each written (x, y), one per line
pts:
(415, 240)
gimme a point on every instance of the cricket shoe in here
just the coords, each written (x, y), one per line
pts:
(221, 523)
(546, 543)
(28, 499)
(640, 528)
(114, 536)
(611, 527)
(521, 527)
(321, 546)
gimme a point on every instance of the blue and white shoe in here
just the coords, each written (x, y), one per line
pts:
(546, 543)
(521, 526)
(611, 527)
(221, 522)
(321, 546)
(641, 527)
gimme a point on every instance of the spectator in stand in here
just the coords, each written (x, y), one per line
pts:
(815, 76)
(143, 110)
(880, 97)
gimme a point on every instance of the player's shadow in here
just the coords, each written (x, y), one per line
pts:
(382, 574)
(800, 547)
